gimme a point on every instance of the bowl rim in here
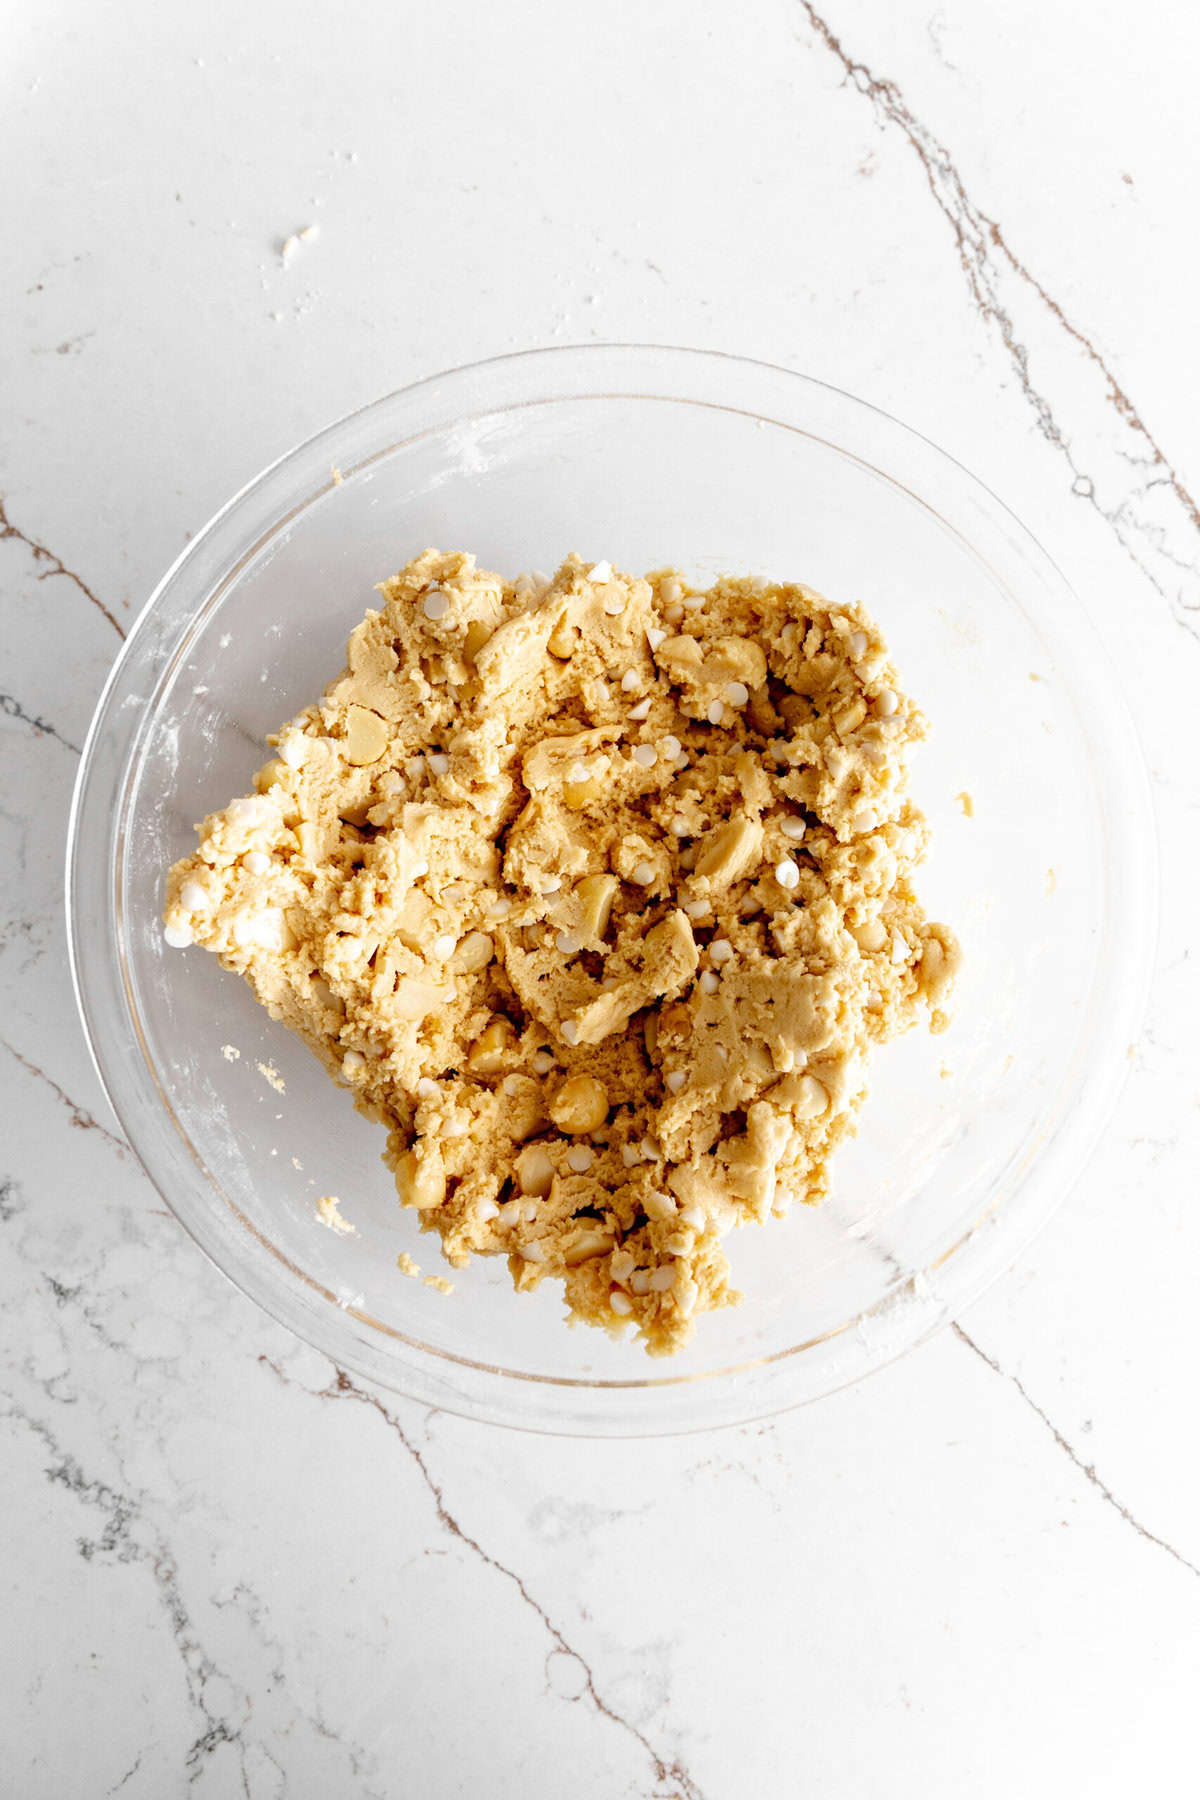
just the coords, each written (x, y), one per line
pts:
(904, 1317)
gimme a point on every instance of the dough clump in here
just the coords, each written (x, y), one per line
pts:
(596, 893)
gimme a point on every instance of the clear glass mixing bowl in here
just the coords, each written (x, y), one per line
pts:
(644, 456)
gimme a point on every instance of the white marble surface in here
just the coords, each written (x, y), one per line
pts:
(979, 1573)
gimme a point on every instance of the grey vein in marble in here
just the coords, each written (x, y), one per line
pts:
(127, 1536)
(11, 708)
(1127, 478)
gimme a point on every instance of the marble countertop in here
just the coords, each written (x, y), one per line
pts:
(226, 1573)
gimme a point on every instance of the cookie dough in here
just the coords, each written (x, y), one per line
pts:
(596, 893)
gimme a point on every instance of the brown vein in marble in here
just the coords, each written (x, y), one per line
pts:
(678, 1784)
(80, 1116)
(1088, 1470)
(11, 708)
(982, 246)
(57, 566)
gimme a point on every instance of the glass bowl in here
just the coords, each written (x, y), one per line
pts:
(644, 456)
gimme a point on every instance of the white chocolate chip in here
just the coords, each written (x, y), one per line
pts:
(670, 747)
(614, 603)
(676, 1079)
(568, 943)
(499, 909)
(787, 874)
(886, 703)
(858, 643)
(486, 1211)
(178, 936)
(630, 1155)
(737, 693)
(435, 605)
(580, 1158)
(444, 946)
(245, 930)
(438, 763)
(715, 712)
(600, 572)
(641, 710)
(193, 897)
(639, 1282)
(709, 983)
(864, 820)
(353, 1062)
(662, 1279)
(720, 951)
(543, 1062)
(645, 754)
(792, 828)
(620, 1303)
(427, 1089)
(570, 1032)
(256, 862)
(291, 751)
(655, 638)
(630, 681)
(622, 1265)
(642, 873)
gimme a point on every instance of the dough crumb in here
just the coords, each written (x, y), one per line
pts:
(439, 1282)
(272, 1077)
(407, 1266)
(329, 1213)
(967, 803)
(230, 1052)
(596, 891)
(289, 245)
